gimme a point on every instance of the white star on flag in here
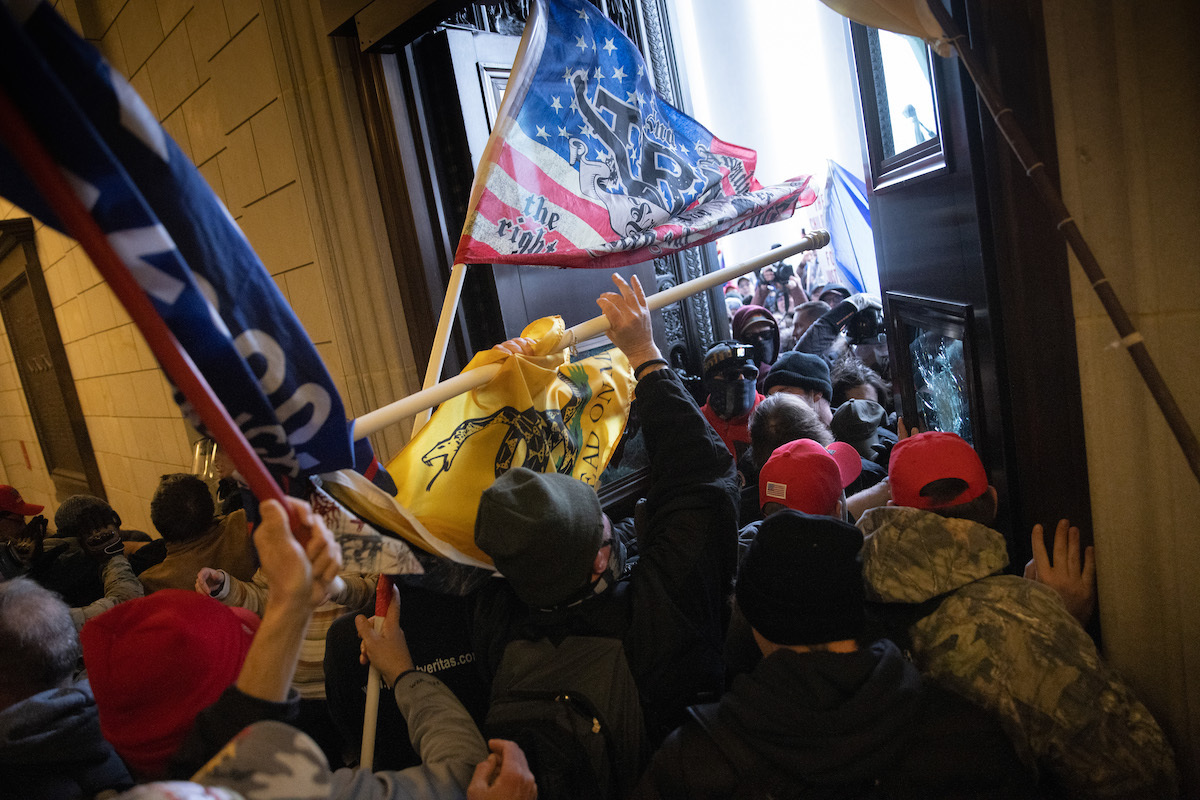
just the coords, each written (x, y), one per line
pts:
(562, 131)
(639, 66)
(598, 74)
(619, 74)
(557, 106)
(580, 43)
(567, 74)
(582, 14)
(541, 133)
(609, 46)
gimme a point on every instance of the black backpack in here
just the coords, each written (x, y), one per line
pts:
(575, 711)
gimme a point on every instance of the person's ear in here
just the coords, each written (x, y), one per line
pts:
(991, 490)
(600, 562)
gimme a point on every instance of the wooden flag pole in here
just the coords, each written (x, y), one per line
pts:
(441, 340)
(1035, 169)
(464, 382)
(433, 371)
(45, 174)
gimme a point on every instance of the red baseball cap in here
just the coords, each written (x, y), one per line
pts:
(806, 476)
(154, 663)
(931, 456)
(12, 502)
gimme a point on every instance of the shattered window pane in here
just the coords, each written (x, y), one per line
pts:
(940, 378)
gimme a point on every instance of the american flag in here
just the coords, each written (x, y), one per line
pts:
(588, 167)
(185, 251)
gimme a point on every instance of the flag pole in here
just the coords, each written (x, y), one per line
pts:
(427, 398)
(45, 174)
(441, 340)
(1035, 169)
(433, 371)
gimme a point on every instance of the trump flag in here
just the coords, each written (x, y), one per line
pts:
(588, 167)
(176, 238)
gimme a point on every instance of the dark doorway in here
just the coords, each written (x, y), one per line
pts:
(958, 226)
(42, 365)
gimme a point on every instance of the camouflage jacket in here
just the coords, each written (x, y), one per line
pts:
(1010, 646)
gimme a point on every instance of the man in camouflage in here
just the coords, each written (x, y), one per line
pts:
(1006, 643)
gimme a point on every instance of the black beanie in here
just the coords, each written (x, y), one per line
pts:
(801, 580)
(542, 532)
(79, 512)
(803, 370)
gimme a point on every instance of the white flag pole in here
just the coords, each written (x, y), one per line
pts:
(464, 382)
(433, 371)
(441, 340)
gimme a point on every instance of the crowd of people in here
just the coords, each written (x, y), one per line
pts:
(804, 604)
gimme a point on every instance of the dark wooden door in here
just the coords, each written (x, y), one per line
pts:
(959, 234)
(42, 365)
(430, 100)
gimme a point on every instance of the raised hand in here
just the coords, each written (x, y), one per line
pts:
(629, 320)
(1073, 580)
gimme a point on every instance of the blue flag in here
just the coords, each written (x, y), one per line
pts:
(176, 238)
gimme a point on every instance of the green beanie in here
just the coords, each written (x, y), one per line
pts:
(542, 532)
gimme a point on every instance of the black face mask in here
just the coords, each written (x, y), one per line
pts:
(764, 347)
(731, 399)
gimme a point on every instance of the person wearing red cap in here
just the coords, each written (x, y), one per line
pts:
(155, 663)
(1008, 644)
(801, 475)
(807, 476)
(13, 511)
(21, 541)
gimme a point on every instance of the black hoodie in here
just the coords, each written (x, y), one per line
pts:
(846, 725)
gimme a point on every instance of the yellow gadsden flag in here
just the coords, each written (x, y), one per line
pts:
(541, 412)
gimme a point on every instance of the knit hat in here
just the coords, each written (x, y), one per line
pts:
(12, 502)
(801, 580)
(855, 420)
(542, 532)
(919, 460)
(79, 512)
(748, 314)
(154, 663)
(805, 476)
(729, 355)
(802, 370)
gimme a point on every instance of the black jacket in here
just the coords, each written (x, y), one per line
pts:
(853, 725)
(51, 747)
(672, 609)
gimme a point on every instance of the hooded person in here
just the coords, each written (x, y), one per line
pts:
(562, 559)
(934, 576)
(756, 326)
(729, 381)
(823, 714)
(51, 745)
